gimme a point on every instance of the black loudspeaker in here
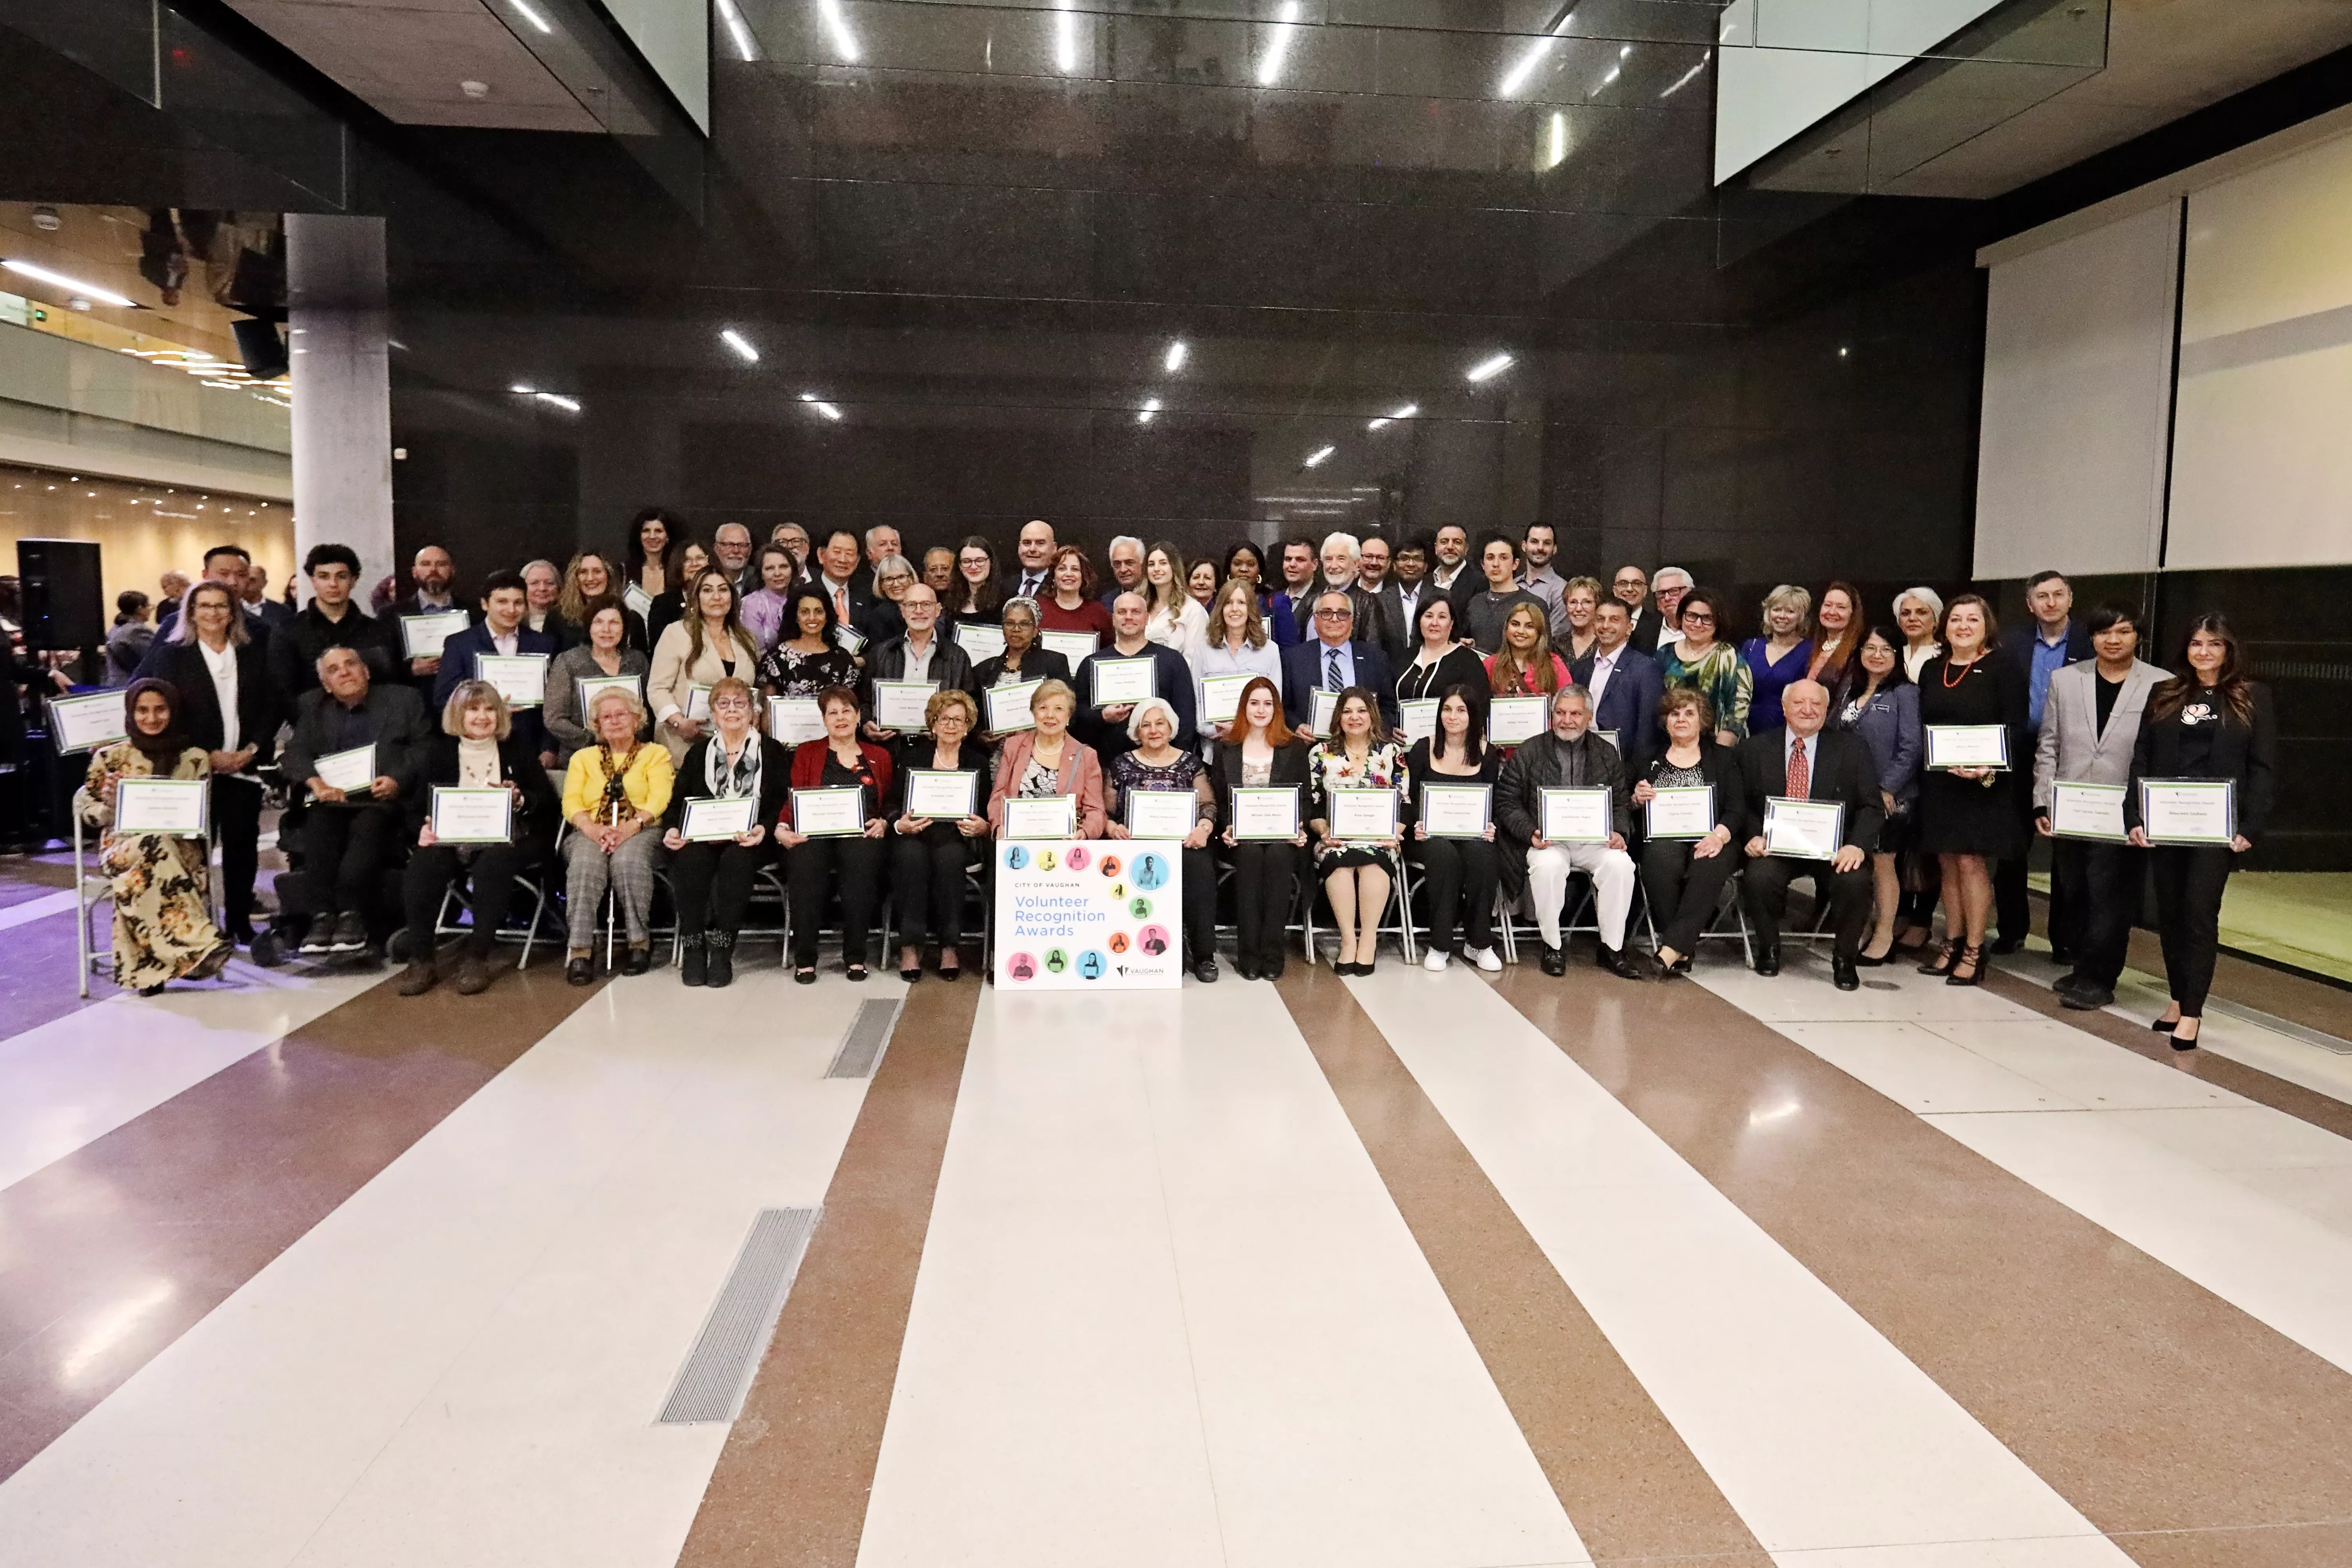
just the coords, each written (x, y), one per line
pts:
(261, 349)
(65, 605)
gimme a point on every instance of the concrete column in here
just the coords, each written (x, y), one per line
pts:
(343, 389)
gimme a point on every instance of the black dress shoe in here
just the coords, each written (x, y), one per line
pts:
(1554, 961)
(2084, 997)
(580, 971)
(1617, 961)
(2003, 946)
(1244, 966)
(2064, 955)
(1768, 962)
(639, 959)
(1205, 971)
(1272, 968)
(1865, 960)
(1844, 975)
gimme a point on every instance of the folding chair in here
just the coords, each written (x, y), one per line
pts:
(533, 884)
(93, 886)
(1396, 918)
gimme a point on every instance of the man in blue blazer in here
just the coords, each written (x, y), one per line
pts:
(1626, 684)
(500, 631)
(1330, 659)
(2054, 640)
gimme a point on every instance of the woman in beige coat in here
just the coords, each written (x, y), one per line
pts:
(692, 656)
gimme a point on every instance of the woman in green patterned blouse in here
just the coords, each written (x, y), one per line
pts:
(1708, 666)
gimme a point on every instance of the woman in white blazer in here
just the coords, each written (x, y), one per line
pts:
(699, 651)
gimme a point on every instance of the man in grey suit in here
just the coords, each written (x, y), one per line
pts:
(2090, 720)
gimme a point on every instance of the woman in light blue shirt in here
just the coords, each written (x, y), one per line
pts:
(1238, 644)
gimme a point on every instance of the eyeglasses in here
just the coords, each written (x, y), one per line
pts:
(1335, 614)
(1697, 618)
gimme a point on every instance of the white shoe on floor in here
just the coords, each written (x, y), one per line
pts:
(1485, 958)
(1436, 961)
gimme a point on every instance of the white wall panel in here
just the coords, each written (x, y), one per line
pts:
(2078, 346)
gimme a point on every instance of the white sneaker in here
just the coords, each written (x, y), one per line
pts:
(1485, 958)
(1435, 960)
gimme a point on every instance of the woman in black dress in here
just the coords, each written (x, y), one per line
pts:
(805, 658)
(1968, 816)
(2207, 723)
(1439, 664)
(1460, 873)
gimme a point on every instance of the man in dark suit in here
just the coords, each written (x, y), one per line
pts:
(1652, 624)
(1103, 726)
(836, 561)
(2055, 640)
(433, 573)
(1805, 763)
(1330, 659)
(501, 632)
(1625, 686)
(1404, 590)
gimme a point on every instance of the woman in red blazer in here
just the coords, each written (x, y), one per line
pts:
(814, 863)
(1050, 760)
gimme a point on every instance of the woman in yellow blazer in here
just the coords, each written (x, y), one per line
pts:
(697, 652)
(615, 792)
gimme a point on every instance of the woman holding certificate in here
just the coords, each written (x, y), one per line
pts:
(1881, 706)
(668, 609)
(1689, 797)
(1356, 791)
(1439, 663)
(1176, 618)
(731, 786)
(486, 812)
(656, 540)
(692, 656)
(1972, 714)
(230, 708)
(1261, 775)
(589, 579)
(936, 830)
(1049, 763)
(833, 830)
(582, 671)
(1159, 792)
(613, 792)
(1072, 606)
(2204, 775)
(163, 927)
(1239, 648)
(1453, 841)
(1712, 669)
(806, 658)
(1022, 659)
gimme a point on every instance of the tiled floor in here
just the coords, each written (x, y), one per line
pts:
(1414, 1271)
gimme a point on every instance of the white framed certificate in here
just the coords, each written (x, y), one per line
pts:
(1456, 810)
(1161, 812)
(982, 642)
(422, 637)
(943, 794)
(473, 815)
(1263, 812)
(86, 724)
(1511, 721)
(1363, 813)
(1008, 707)
(352, 772)
(899, 704)
(1968, 746)
(1576, 816)
(180, 807)
(835, 813)
(1075, 646)
(2189, 811)
(1042, 816)
(2087, 811)
(1686, 811)
(589, 687)
(1803, 829)
(713, 817)
(521, 678)
(792, 720)
(1322, 707)
(1418, 719)
(634, 597)
(698, 701)
(848, 640)
(1125, 680)
(1221, 697)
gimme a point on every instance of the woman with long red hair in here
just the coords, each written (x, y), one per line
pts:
(1259, 751)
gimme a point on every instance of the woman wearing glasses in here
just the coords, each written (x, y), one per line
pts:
(1712, 669)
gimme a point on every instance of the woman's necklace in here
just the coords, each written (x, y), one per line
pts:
(1949, 666)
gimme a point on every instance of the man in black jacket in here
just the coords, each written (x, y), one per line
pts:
(1569, 756)
(2053, 641)
(331, 620)
(348, 836)
(920, 654)
(1103, 726)
(1804, 762)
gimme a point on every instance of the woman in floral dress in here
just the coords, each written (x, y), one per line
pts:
(163, 927)
(1357, 873)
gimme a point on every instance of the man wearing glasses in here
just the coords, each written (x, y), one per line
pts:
(1630, 588)
(1332, 660)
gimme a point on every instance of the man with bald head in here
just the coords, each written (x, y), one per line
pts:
(1035, 548)
(1806, 762)
(1103, 726)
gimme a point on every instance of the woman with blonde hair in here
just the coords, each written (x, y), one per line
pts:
(929, 855)
(1780, 657)
(711, 877)
(613, 792)
(1238, 643)
(1048, 760)
(477, 749)
(1579, 598)
(1525, 665)
(697, 653)
(588, 578)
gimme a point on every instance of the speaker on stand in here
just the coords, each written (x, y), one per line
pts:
(64, 595)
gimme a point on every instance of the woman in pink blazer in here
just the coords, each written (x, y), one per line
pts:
(1050, 760)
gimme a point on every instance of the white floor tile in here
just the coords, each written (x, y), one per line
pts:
(1820, 1434)
(1915, 1066)
(2079, 1065)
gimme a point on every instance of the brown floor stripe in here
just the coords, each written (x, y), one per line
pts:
(109, 1255)
(1632, 1489)
(2177, 1424)
(791, 1488)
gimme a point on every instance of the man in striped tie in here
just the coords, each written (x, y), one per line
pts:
(1801, 768)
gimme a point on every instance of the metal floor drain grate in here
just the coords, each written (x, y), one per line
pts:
(711, 1384)
(2278, 1026)
(861, 1048)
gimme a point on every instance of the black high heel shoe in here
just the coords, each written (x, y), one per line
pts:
(1973, 956)
(1943, 962)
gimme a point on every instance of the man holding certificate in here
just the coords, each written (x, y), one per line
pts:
(2203, 779)
(357, 747)
(833, 831)
(1566, 758)
(1332, 660)
(921, 657)
(483, 812)
(1113, 680)
(1812, 809)
(502, 634)
(2082, 765)
(727, 792)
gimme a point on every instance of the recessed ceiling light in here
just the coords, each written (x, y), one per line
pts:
(60, 281)
(569, 405)
(1150, 406)
(845, 42)
(1488, 369)
(1314, 458)
(1407, 412)
(740, 345)
(1277, 48)
(522, 389)
(1178, 353)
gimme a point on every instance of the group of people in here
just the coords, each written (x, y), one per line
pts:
(1616, 731)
